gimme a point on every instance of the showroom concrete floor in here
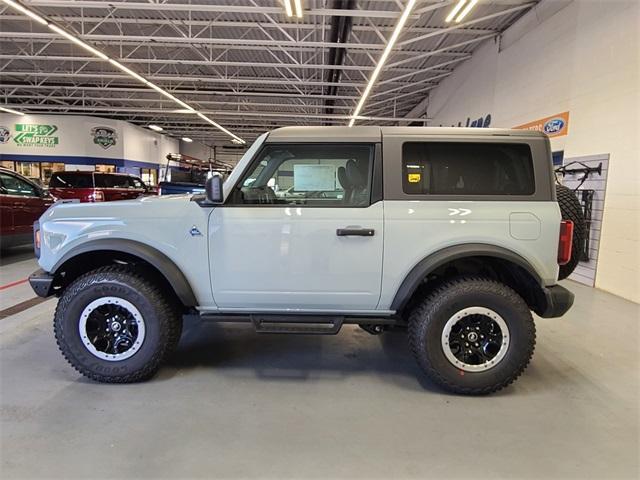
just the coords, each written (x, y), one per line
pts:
(232, 404)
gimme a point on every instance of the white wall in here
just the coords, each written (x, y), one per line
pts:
(144, 145)
(584, 59)
(75, 139)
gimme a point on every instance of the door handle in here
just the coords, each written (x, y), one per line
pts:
(355, 231)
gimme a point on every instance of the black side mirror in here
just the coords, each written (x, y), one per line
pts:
(213, 187)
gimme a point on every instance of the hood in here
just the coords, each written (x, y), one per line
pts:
(151, 206)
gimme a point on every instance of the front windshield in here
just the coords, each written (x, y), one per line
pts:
(242, 163)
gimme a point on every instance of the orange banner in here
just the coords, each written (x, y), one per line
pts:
(554, 126)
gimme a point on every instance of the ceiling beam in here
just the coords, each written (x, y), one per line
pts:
(210, 7)
(136, 89)
(239, 24)
(142, 39)
(185, 78)
(217, 63)
(227, 113)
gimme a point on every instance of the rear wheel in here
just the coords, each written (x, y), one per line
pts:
(115, 326)
(570, 209)
(472, 336)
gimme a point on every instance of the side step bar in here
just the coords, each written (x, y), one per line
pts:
(301, 324)
(310, 325)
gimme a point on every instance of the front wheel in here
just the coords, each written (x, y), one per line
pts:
(115, 326)
(472, 336)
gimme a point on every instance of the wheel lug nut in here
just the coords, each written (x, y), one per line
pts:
(477, 344)
(466, 344)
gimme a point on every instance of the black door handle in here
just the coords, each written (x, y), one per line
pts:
(354, 231)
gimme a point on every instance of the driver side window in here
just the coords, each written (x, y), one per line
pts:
(317, 175)
(15, 186)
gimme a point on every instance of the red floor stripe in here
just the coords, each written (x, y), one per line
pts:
(13, 284)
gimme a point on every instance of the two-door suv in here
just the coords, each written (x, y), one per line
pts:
(454, 233)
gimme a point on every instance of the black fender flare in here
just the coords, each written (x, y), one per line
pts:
(428, 264)
(154, 257)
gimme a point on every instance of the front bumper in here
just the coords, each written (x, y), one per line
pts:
(42, 283)
(559, 301)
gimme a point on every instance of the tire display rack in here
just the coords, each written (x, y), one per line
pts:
(587, 177)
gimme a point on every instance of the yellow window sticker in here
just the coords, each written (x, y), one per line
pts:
(414, 177)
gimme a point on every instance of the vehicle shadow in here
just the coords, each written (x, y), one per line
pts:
(236, 350)
(16, 254)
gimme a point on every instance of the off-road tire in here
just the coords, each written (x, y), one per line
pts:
(161, 318)
(175, 327)
(571, 209)
(427, 321)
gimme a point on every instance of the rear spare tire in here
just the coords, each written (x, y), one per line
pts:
(571, 209)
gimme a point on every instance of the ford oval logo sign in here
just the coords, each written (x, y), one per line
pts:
(553, 126)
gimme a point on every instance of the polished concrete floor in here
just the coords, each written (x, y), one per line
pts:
(233, 404)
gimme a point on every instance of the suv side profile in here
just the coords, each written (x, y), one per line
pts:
(454, 234)
(96, 186)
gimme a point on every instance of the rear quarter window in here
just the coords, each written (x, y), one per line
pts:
(107, 180)
(71, 180)
(448, 168)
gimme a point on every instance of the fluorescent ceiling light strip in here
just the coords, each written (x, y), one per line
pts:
(298, 5)
(26, 11)
(466, 10)
(287, 7)
(118, 65)
(455, 11)
(383, 59)
(187, 139)
(10, 110)
(217, 125)
(128, 71)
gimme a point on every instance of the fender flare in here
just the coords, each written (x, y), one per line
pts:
(154, 257)
(428, 264)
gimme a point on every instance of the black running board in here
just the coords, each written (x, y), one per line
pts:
(309, 325)
(298, 323)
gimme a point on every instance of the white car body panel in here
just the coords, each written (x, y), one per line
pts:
(290, 258)
(163, 223)
(416, 229)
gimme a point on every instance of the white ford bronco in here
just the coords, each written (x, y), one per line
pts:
(454, 234)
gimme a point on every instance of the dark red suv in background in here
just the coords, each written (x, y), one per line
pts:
(97, 186)
(21, 203)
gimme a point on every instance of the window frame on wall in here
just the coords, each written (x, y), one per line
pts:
(151, 174)
(52, 167)
(8, 164)
(32, 166)
(373, 181)
(105, 168)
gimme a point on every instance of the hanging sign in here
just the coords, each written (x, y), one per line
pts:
(35, 135)
(554, 126)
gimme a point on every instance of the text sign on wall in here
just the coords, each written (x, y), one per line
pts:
(554, 126)
(35, 135)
